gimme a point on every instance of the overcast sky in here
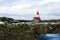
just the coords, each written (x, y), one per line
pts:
(26, 9)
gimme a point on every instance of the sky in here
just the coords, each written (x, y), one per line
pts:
(27, 9)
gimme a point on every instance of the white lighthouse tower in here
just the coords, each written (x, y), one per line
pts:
(36, 18)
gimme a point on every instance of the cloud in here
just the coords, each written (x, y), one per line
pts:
(15, 7)
(1, 1)
(48, 9)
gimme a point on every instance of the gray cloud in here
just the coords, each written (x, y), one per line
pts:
(26, 9)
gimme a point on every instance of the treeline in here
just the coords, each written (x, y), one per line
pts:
(54, 20)
(13, 20)
(58, 20)
(24, 20)
(4, 19)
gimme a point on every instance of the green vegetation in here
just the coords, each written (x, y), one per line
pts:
(19, 32)
(5, 19)
(11, 31)
(25, 31)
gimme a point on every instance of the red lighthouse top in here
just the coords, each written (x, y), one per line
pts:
(37, 17)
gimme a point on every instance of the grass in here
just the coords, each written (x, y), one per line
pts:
(25, 31)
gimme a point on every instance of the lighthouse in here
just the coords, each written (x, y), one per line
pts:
(36, 18)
